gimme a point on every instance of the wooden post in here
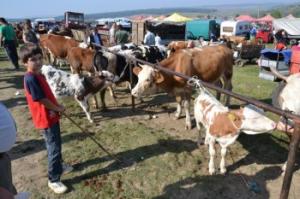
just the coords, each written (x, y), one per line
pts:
(290, 163)
(131, 85)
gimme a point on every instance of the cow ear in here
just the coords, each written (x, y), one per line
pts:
(159, 78)
(137, 70)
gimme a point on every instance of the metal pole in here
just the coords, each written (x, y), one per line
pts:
(250, 100)
(290, 163)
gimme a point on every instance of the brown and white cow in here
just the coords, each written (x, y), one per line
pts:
(58, 46)
(81, 59)
(210, 64)
(224, 126)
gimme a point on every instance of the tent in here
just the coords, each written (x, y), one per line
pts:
(245, 18)
(267, 18)
(159, 18)
(177, 18)
(290, 16)
(291, 26)
(141, 17)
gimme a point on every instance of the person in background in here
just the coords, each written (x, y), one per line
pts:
(122, 36)
(112, 33)
(158, 41)
(45, 111)
(9, 41)
(149, 38)
(28, 33)
(95, 37)
(281, 40)
(253, 32)
(8, 133)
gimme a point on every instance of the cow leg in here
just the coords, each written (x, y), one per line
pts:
(178, 110)
(219, 84)
(85, 107)
(188, 123)
(95, 102)
(212, 153)
(112, 94)
(222, 163)
(200, 138)
(102, 97)
(227, 86)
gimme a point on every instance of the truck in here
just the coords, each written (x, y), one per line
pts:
(74, 20)
(201, 28)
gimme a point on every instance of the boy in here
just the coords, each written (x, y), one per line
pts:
(45, 113)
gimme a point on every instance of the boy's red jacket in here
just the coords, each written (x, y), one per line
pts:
(41, 116)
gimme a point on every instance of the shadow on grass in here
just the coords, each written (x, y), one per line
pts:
(12, 102)
(131, 157)
(222, 186)
(262, 149)
(36, 145)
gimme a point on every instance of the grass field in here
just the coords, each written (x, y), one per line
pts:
(159, 158)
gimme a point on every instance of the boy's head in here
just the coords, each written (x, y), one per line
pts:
(32, 57)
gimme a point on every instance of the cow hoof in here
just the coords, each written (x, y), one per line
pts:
(200, 142)
(212, 171)
(223, 171)
(176, 117)
(188, 127)
(91, 121)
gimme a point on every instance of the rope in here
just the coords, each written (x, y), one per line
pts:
(92, 138)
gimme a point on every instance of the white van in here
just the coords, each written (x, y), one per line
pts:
(235, 28)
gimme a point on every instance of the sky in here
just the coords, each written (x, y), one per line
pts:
(52, 8)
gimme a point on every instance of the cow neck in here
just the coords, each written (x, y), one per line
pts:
(170, 82)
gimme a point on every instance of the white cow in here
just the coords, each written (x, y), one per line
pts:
(288, 100)
(64, 84)
(224, 125)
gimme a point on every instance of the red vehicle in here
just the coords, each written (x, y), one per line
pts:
(264, 34)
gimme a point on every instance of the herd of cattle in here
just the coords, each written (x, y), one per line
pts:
(210, 62)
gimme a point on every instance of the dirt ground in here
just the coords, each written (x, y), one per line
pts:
(162, 158)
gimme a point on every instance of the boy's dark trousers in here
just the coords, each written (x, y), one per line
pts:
(11, 50)
(5, 173)
(53, 145)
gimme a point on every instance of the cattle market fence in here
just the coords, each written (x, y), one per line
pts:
(296, 118)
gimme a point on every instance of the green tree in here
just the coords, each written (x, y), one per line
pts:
(276, 14)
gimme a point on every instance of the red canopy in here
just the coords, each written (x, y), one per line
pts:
(246, 18)
(267, 18)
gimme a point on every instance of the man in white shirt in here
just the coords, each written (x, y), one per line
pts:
(149, 38)
(8, 133)
(158, 41)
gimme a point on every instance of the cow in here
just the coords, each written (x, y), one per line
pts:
(177, 45)
(210, 64)
(288, 100)
(120, 47)
(57, 46)
(118, 64)
(223, 125)
(236, 40)
(64, 84)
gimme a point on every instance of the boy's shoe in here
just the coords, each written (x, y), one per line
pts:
(57, 187)
(67, 168)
